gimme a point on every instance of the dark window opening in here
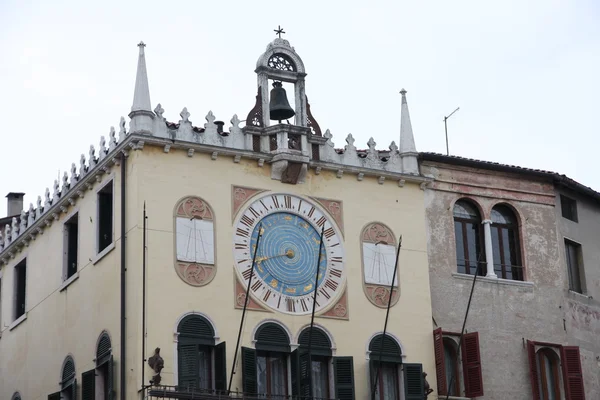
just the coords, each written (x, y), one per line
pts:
(20, 286)
(469, 239)
(548, 374)
(568, 207)
(105, 217)
(451, 366)
(574, 264)
(387, 382)
(505, 244)
(71, 246)
(271, 373)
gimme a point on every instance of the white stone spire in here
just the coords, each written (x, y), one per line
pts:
(408, 150)
(141, 112)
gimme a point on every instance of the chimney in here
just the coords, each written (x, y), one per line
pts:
(15, 204)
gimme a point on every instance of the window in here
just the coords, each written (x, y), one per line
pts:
(68, 383)
(548, 365)
(97, 384)
(321, 360)
(105, 216)
(468, 235)
(20, 288)
(574, 266)
(196, 351)
(448, 364)
(505, 244)
(568, 207)
(71, 245)
(16, 396)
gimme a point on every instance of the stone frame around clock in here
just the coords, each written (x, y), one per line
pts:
(241, 197)
(378, 295)
(182, 267)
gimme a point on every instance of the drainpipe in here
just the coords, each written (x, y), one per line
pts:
(123, 269)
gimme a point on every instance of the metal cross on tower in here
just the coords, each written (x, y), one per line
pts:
(279, 31)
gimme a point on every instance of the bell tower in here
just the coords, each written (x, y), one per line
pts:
(291, 134)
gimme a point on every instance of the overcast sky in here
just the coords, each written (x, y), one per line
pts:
(525, 74)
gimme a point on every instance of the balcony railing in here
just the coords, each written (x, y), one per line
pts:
(183, 393)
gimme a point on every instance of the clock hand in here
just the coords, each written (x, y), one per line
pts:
(289, 254)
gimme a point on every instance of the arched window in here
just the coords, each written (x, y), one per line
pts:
(198, 356)
(16, 396)
(548, 366)
(320, 355)
(68, 382)
(98, 382)
(265, 369)
(451, 366)
(387, 373)
(469, 238)
(505, 243)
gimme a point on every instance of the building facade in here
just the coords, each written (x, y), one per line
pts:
(140, 264)
(532, 326)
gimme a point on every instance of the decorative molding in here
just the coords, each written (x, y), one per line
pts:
(239, 298)
(334, 208)
(239, 196)
(340, 309)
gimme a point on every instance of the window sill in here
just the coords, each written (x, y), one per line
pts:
(579, 296)
(103, 253)
(498, 281)
(443, 397)
(66, 283)
(17, 322)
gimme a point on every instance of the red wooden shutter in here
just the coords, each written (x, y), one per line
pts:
(440, 365)
(571, 365)
(533, 371)
(472, 365)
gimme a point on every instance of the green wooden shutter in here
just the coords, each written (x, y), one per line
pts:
(88, 385)
(373, 364)
(188, 362)
(54, 396)
(110, 379)
(304, 370)
(295, 373)
(74, 390)
(220, 367)
(413, 382)
(343, 370)
(250, 384)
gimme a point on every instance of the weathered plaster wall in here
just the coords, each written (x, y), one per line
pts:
(165, 178)
(583, 311)
(61, 323)
(505, 313)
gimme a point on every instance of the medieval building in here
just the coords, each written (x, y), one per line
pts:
(186, 260)
(531, 237)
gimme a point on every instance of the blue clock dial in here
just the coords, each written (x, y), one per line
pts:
(283, 277)
(288, 254)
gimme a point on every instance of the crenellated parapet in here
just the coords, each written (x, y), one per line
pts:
(72, 187)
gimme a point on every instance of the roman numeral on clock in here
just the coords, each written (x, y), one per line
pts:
(331, 284)
(246, 220)
(288, 201)
(246, 274)
(304, 305)
(275, 201)
(253, 211)
(266, 296)
(336, 272)
(241, 232)
(321, 221)
(240, 246)
(257, 285)
(311, 212)
(329, 233)
(291, 305)
(324, 293)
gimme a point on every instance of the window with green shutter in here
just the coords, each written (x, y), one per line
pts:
(16, 396)
(313, 381)
(272, 353)
(385, 361)
(413, 382)
(343, 370)
(68, 383)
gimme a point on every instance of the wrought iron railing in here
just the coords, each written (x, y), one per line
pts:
(184, 393)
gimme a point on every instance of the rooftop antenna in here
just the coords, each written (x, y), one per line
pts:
(446, 129)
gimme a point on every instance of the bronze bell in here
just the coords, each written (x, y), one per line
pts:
(279, 107)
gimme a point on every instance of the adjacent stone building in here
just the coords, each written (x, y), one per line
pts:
(136, 267)
(533, 326)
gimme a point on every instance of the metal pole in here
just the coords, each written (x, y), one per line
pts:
(465, 321)
(312, 317)
(387, 314)
(260, 232)
(144, 299)
(446, 129)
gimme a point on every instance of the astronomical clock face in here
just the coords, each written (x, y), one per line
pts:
(288, 253)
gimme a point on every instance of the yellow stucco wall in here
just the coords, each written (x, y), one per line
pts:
(165, 178)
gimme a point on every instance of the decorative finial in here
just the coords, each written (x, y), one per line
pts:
(279, 31)
(185, 115)
(141, 44)
(403, 92)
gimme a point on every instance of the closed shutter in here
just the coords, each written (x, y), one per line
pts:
(294, 372)
(88, 385)
(304, 369)
(54, 396)
(188, 362)
(413, 382)
(440, 363)
(343, 369)
(250, 384)
(110, 379)
(74, 390)
(533, 371)
(373, 375)
(472, 365)
(220, 367)
(571, 364)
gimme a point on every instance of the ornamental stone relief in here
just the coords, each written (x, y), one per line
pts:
(378, 247)
(195, 256)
